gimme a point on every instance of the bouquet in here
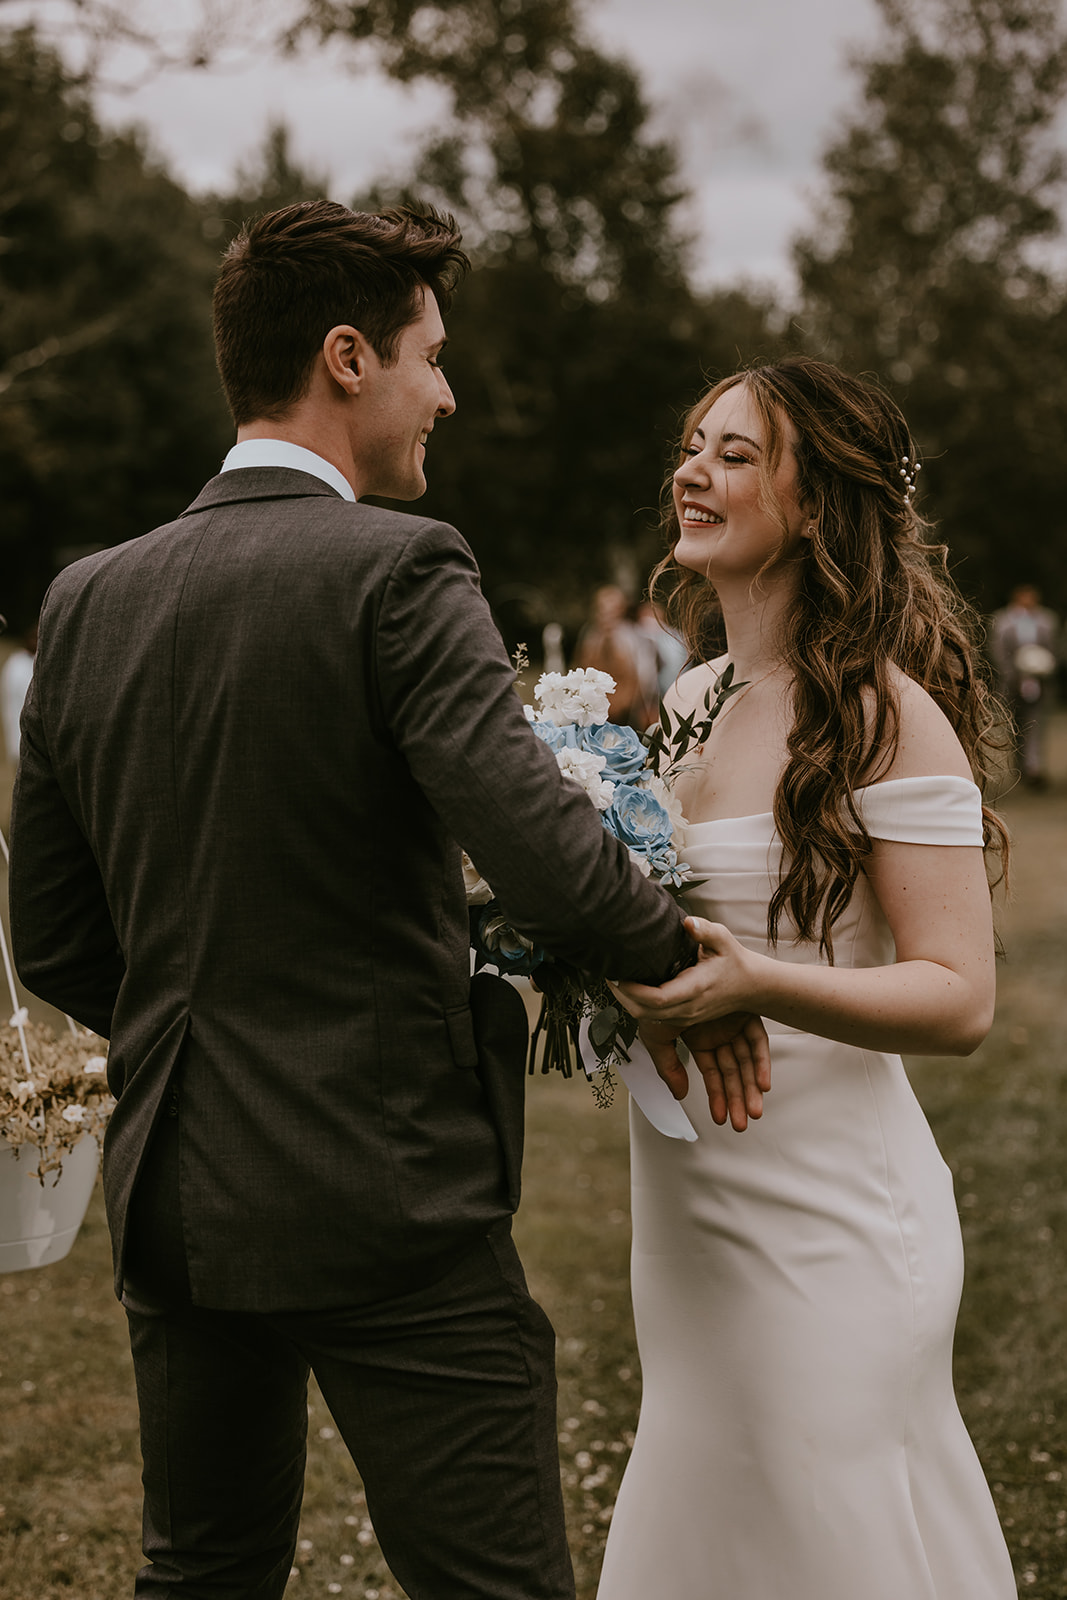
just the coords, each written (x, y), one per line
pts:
(628, 778)
(53, 1090)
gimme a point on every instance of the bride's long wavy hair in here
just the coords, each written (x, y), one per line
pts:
(873, 594)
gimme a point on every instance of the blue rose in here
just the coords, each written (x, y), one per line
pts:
(619, 748)
(556, 738)
(636, 817)
(496, 941)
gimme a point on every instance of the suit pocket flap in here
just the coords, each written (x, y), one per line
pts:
(460, 1025)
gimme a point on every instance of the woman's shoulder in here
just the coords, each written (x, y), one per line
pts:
(926, 743)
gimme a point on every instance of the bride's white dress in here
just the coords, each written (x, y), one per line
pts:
(795, 1292)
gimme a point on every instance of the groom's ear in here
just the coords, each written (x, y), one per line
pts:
(346, 352)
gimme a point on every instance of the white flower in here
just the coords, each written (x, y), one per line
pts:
(584, 769)
(579, 696)
(95, 1064)
(669, 801)
(641, 861)
(478, 891)
(20, 1019)
(73, 1114)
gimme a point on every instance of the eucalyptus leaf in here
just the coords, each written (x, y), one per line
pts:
(627, 1028)
(603, 1029)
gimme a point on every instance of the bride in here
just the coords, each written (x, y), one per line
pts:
(795, 1291)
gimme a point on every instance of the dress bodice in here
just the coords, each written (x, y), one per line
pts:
(738, 860)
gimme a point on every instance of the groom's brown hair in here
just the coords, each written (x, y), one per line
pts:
(292, 275)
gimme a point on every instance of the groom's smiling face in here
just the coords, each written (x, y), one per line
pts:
(405, 400)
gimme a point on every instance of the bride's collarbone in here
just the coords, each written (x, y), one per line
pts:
(706, 799)
(734, 770)
(731, 776)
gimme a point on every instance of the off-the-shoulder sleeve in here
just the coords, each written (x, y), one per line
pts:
(935, 810)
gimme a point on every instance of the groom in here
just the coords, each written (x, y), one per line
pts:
(253, 740)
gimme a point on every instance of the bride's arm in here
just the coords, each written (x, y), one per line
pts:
(938, 996)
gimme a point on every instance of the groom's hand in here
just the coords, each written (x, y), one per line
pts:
(736, 1069)
(732, 1055)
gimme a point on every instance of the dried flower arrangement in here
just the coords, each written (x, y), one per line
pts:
(53, 1091)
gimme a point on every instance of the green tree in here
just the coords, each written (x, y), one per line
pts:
(273, 179)
(577, 341)
(110, 411)
(926, 268)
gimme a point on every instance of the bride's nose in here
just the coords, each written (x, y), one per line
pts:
(692, 471)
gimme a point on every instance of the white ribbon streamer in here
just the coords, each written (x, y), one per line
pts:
(645, 1085)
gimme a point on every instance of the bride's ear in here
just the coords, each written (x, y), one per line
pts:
(810, 525)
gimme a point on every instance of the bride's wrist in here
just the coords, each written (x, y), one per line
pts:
(764, 987)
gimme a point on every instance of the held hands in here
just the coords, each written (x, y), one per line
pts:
(706, 1006)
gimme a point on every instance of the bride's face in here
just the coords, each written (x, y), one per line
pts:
(726, 529)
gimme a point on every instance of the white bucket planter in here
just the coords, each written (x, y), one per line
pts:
(39, 1223)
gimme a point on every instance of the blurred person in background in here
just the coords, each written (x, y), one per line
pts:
(1024, 642)
(671, 652)
(612, 642)
(552, 656)
(15, 675)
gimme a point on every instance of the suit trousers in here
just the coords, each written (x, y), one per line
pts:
(444, 1396)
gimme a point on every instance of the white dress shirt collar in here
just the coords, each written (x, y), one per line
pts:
(280, 453)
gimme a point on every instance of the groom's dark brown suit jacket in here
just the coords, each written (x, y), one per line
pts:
(255, 741)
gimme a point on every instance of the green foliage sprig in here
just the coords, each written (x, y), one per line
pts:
(686, 733)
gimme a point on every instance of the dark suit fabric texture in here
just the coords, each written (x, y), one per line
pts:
(253, 740)
(254, 744)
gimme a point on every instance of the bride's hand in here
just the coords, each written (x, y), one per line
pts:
(708, 1004)
(721, 982)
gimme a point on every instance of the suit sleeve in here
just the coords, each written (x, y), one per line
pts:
(64, 942)
(448, 697)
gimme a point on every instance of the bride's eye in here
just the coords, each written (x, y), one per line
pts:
(733, 458)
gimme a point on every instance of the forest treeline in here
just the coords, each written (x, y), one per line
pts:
(579, 338)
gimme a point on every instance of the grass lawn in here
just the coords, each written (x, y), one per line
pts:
(69, 1466)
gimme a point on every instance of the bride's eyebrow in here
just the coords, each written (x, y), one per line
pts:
(732, 438)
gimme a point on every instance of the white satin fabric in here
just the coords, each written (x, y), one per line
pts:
(795, 1293)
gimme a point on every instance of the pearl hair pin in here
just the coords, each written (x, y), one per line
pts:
(908, 469)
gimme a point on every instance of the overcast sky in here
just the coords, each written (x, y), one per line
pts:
(749, 89)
